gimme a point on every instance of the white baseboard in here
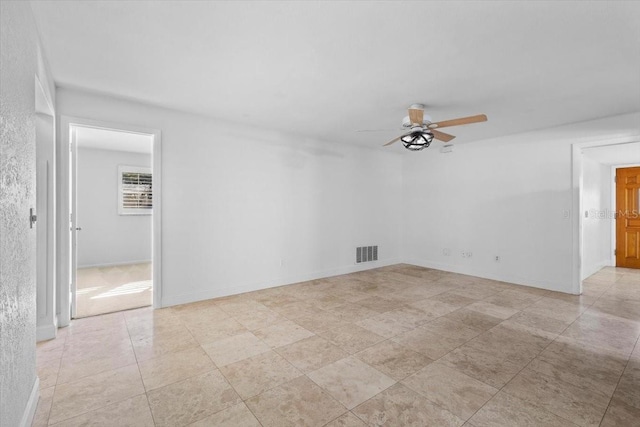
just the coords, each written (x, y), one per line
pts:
(46, 332)
(113, 264)
(32, 404)
(168, 301)
(550, 286)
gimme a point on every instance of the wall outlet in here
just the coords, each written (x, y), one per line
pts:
(497, 258)
(446, 252)
(467, 254)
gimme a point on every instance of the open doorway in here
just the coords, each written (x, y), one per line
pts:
(112, 205)
(67, 233)
(600, 202)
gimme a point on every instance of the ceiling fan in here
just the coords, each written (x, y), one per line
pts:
(423, 130)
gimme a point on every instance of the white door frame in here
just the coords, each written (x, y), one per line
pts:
(577, 206)
(66, 221)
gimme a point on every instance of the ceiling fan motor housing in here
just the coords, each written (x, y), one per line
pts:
(406, 122)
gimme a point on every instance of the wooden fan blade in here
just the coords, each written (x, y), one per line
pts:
(441, 135)
(416, 116)
(393, 141)
(458, 122)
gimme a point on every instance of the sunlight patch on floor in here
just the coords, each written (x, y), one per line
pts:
(113, 288)
(128, 288)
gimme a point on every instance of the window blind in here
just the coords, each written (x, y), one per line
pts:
(137, 190)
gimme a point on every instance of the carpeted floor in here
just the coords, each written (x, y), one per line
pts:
(103, 290)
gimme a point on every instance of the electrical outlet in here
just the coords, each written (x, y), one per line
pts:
(467, 254)
(497, 258)
(446, 252)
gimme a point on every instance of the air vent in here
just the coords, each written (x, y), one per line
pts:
(366, 254)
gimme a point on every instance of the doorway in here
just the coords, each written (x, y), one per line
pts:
(112, 206)
(596, 166)
(70, 232)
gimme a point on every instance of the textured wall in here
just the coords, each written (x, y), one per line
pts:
(18, 66)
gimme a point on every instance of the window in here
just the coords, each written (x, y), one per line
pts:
(135, 190)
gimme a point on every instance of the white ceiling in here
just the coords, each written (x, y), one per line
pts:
(106, 139)
(619, 154)
(326, 69)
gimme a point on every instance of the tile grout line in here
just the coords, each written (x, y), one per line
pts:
(249, 409)
(242, 399)
(500, 389)
(135, 355)
(625, 366)
(56, 382)
(588, 307)
(433, 360)
(51, 406)
(618, 383)
(538, 354)
(120, 367)
(348, 411)
(481, 332)
(523, 368)
(99, 407)
(217, 368)
(519, 311)
(83, 378)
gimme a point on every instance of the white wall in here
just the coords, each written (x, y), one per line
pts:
(20, 62)
(509, 197)
(246, 208)
(596, 201)
(108, 238)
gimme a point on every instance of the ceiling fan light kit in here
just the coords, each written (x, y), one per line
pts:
(417, 140)
(423, 130)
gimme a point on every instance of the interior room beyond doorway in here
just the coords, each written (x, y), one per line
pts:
(113, 205)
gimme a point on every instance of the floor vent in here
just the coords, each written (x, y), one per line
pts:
(366, 254)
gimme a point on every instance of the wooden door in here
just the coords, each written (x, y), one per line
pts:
(628, 217)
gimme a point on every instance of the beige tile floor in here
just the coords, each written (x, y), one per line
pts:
(400, 345)
(103, 290)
